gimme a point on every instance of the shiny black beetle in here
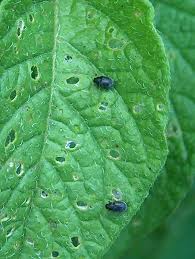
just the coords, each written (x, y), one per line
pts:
(104, 82)
(116, 206)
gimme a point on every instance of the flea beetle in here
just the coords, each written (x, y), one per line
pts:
(104, 82)
(116, 206)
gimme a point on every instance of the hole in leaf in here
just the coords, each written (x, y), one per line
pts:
(160, 107)
(10, 232)
(115, 44)
(68, 58)
(70, 144)
(44, 194)
(114, 154)
(138, 108)
(34, 72)
(82, 205)
(72, 80)
(55, 253)
(11, 164)
(60, 159)
(19, 169)
(75, 241)
(30, 242)
(110, 30)
(116, 194)
(21, 28)
(53, 224)
(10, 138)
(15, 49)
(12, 95)
(103, 106)
(75, 177)
(31, 18)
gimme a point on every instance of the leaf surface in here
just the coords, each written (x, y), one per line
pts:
(176, 22)
(66, 146)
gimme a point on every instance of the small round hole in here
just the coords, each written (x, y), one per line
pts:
(116, 44)
(138, 108)
(114, 154)
(31, 18)
(82, 205)
(30, 242)
(10, 138)
(68, 58)
(13, 95)
(110, 30)
(19, 169)
(75, 177)
(116, 194)
(75, 241)
(103, 106)
(21, 28)
(60, 159)
(34, 72)
(72, 80)
(70, 144)
(44, 194)
(55, 253)
(10, 232)
(160, 107)
(15, 50)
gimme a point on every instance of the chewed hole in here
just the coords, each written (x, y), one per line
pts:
(21, 28)
(110, 30)
(44, 194)
(10, 138)
(15, 50)
(19, 169)
(75, 241)
(53, 224)
(13, 95)
(114, 154)
(103, 106)
(115, 44)
(55, 253)
(82, 205)
(72, 80)
(31, 18)
(10, 232)
(138, 108)
(75, 177)
(34, 72)
(68, 58)
(60, 159)
(160, 107)
(30, 242)
(91, 14)
(70, 145)
(117, 195)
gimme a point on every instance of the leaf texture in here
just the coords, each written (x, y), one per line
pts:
(66, 146)
(176, 22)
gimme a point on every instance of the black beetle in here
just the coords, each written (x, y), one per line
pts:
(104, 82)
(116, 206)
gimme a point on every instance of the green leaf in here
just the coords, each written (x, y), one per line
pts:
(175, 22)
(172, 186)
(68, 147)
